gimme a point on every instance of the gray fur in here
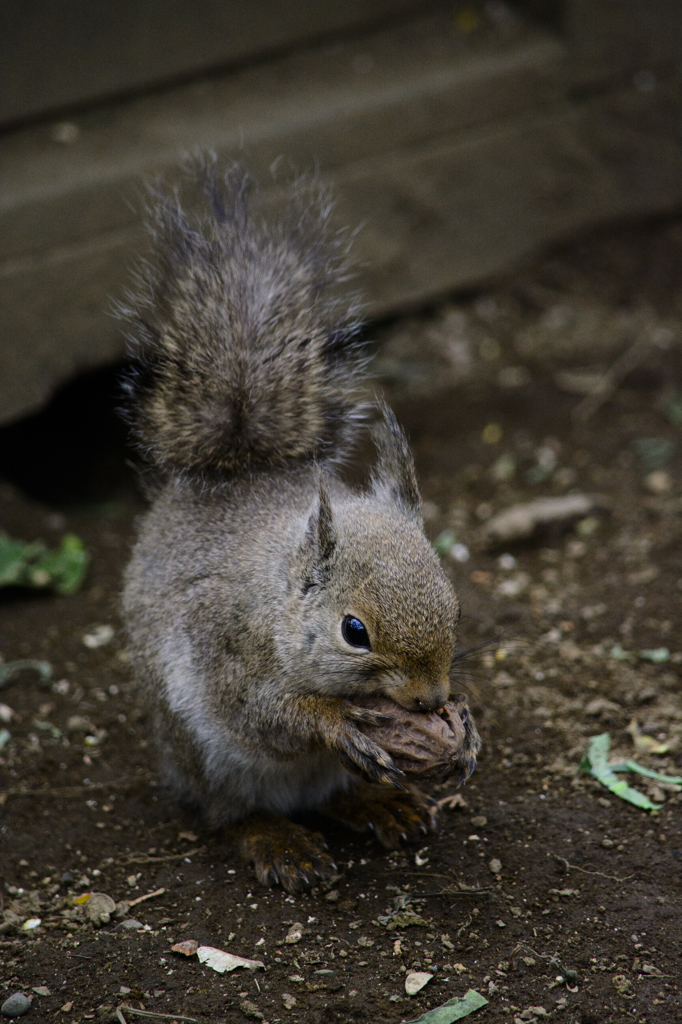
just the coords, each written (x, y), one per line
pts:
(230, 309)
(236, 593)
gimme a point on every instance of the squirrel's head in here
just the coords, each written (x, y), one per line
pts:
(377, 613)
(396, 612)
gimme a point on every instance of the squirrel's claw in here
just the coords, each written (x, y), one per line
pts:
(299, 877)
(285, 853)
(367, 715)
(359, 754)
(364, 758)
(466, 762)
(393, 817)
(265, 874)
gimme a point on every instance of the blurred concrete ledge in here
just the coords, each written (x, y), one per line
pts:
(459, 151)
(65, 53)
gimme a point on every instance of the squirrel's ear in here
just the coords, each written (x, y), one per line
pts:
(394, 479)
(320, 538)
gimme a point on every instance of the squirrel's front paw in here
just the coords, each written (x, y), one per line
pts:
(357, 753)
(466, 762)
(285, 853)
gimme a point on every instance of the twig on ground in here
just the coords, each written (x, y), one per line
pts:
(529, 949)
(457, 890)
(552, 958)
(574, 867)
(451, 890)
(541, 956)
(419, 874)
(151, 1013)
(128, 781)
(145, 858)
(448, 890)
(148, 896)
(623, 365)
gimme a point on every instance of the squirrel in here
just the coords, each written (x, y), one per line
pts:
(263, 592)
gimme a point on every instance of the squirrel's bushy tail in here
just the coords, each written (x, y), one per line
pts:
(242, 357)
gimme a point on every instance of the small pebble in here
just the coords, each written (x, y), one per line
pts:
(658, 482)
(415, 981)
(188, 947)
(460, 552)
(16, 1006)
(295, 933)
(99, 637)
(131, 925)
(99, 908)
(250, 1009)
(503, 469)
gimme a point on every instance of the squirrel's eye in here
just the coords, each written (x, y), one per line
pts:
(354, 633)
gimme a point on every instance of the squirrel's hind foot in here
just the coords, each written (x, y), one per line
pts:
(285, 853)
(391, 814)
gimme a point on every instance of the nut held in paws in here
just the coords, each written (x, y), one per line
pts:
(423, 745)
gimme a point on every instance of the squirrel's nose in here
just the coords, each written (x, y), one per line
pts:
(420, 694)
(432, 698)
(430, 704)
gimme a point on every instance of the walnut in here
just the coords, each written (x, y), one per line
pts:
(424, 745)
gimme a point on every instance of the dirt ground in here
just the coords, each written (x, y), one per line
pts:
(540, 889)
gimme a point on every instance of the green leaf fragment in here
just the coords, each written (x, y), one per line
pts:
(444, 542)
(596, 763)
(9, 669)
(598, 751)
(15, 555)
(653, 452)
(657, 655)
(68, 564)
(649, 773)
(673, 411)
(620, 788)
(25, 564)
(48, 727)
(619, 653)
(454, 1009)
